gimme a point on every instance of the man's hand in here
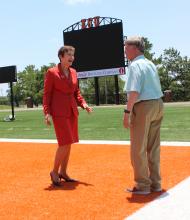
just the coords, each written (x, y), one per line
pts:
(126, 120)
(132, 98)
(48, 120)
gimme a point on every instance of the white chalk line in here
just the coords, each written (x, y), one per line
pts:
(109, 142)
(173, 204)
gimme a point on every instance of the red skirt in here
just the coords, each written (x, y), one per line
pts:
(66, 129)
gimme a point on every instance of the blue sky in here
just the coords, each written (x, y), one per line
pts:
(31, 30)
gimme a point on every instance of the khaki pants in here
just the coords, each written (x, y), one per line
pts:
(146, 120)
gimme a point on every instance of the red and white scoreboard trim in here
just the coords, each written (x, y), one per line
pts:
(102, 72)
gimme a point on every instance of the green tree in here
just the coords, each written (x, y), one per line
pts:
(148, 52)
(30, 83)
(174, 74)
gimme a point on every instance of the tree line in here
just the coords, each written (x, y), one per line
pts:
(173, 69)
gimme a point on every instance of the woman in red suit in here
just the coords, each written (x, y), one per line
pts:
(60, 100)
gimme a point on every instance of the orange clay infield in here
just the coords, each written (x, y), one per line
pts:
(104, 172)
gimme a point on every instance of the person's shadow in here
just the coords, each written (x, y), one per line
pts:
(67, 186)
(134, 198)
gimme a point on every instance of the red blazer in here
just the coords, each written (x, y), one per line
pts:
(61, 94)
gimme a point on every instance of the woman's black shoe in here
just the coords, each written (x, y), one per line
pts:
(55, 182)
(67, 179)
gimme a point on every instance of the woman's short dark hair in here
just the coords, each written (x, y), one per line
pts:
(65, 49)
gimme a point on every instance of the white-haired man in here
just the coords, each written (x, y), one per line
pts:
(143, 115)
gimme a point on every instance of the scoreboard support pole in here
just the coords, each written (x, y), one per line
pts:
(116, 90)
(97, 92)
(12, 101)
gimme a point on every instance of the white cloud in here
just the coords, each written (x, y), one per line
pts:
(75, 2)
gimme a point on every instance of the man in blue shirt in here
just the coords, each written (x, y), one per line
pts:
(143, 115)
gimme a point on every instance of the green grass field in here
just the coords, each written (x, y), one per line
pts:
(104, 124)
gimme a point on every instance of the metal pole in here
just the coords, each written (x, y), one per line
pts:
(116, 90)
(97, 95)
(106, 91)
(12, 101)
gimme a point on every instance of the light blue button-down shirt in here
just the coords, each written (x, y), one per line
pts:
(143, 78)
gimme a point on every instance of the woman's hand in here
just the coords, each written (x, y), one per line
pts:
(87, 108)
(48, 120)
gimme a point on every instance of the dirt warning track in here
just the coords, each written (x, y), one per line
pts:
(103, 171)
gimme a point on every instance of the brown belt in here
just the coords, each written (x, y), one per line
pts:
(149, 100)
